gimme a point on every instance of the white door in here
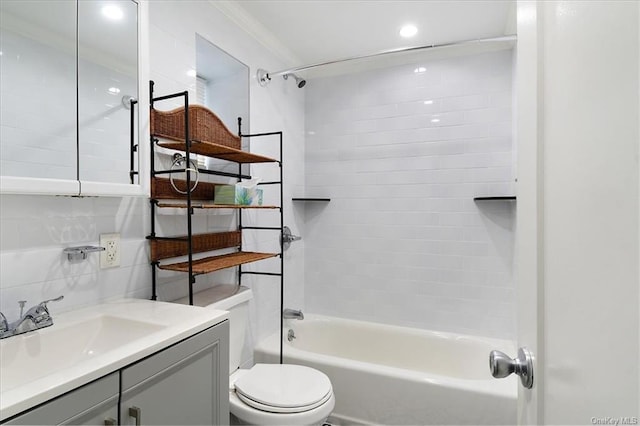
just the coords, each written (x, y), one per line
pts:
(578, 116)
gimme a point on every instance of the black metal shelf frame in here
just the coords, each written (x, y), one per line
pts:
(190, 211)
(240, 226)
(205, 171)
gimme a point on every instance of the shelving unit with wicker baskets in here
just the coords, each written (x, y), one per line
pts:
(194, 129)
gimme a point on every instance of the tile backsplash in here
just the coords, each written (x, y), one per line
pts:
(35, 229)
(402, 151)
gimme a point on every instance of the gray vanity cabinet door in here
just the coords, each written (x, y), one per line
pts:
(185, 384)
(93, 404)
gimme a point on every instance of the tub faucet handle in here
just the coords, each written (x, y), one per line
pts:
(287, 237)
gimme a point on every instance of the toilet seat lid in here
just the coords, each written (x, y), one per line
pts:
(283, 388)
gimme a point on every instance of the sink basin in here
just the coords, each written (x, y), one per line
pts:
(88, 343)
(33, 355)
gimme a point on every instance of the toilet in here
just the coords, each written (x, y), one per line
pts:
(271, 394)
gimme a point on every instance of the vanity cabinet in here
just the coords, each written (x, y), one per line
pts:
(184, 384)
(93, 404)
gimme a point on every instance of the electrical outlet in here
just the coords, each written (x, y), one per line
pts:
(110, 256)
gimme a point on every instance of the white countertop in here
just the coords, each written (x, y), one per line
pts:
(86, 344)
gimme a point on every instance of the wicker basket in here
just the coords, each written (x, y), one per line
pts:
(167, 248)
(204, 126)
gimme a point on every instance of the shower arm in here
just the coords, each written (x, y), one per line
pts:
(264, 76)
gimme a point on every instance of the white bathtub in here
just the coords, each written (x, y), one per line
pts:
(396, 375)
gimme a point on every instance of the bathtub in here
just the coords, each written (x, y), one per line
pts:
(396, 375)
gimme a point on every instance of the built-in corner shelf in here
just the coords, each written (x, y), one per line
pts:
(325, 200)
(499, 198)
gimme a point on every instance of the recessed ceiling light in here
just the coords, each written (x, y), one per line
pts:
(191, 73)
(435, 120)
(408, 31)
(419, 70)
(113, 90)
(429, 102)
(112, 11)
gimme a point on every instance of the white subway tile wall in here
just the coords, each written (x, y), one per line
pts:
(401, 154)
(35, 229)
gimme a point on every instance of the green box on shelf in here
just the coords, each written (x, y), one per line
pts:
(243, 194)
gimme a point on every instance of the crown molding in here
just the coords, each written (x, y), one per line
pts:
(238, 15)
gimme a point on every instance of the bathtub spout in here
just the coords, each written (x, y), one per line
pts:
(292, 314)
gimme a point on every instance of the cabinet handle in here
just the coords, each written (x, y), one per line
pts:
(135, 413)
(110, 421)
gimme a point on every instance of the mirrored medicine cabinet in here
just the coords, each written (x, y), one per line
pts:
(70, 99)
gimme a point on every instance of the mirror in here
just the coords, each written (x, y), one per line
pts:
(65, 68)
(222, 85)
(38, 89)
(107, 81)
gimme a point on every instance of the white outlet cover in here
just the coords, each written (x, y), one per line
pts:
(110, 256)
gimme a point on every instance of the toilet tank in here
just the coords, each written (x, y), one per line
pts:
(238, 307)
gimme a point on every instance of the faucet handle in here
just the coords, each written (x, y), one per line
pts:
(4, 325)
(40, 313)
(43, 305)
(57, 299)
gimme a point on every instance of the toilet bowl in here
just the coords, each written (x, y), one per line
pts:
(271, 394)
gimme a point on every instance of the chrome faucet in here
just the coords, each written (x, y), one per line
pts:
(36, 317)
(292, 314)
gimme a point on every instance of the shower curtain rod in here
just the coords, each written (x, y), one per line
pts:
(264, 76)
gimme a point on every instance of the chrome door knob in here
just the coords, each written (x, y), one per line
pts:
(502, 366)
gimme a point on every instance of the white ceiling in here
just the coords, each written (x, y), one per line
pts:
(321, 30)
